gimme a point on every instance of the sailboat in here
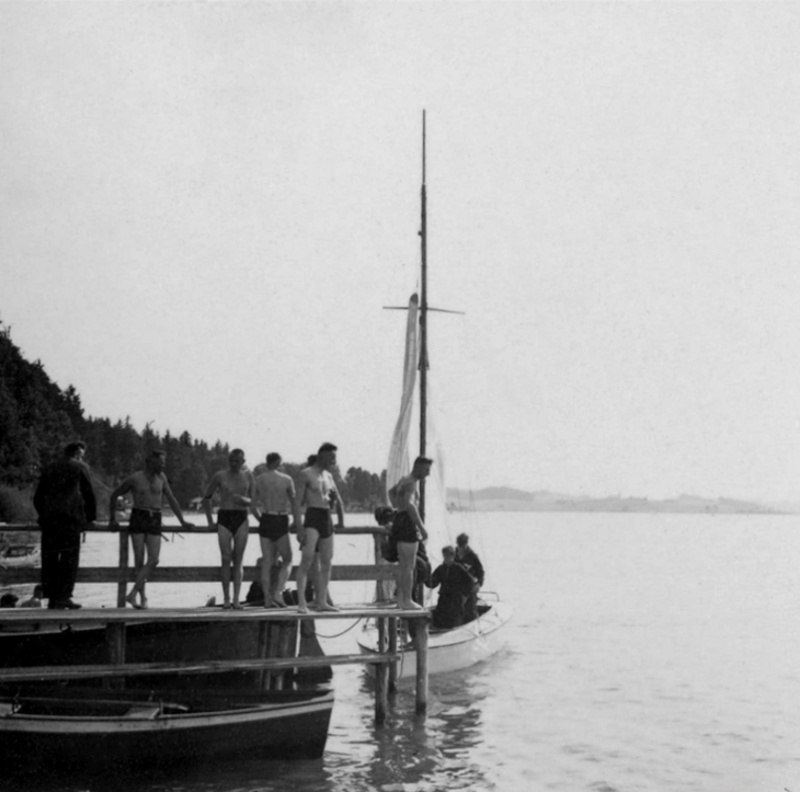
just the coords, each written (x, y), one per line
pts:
(463, 646)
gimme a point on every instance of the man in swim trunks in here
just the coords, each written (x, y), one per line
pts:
(149, 488)
(273, 499)
(235, 487)
(317, 492)
(408, 529)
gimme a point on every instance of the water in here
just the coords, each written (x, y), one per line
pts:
(647, 652)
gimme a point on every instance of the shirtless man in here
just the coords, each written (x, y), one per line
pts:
(408, 529)
(149, 488)
(317, 492)
(235, 486)
(273, 498)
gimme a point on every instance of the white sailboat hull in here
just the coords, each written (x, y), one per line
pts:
(451, 650)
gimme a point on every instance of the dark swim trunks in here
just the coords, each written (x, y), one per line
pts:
(232, 519)
(273, 526)
(144, 521)
(404, 528)
(319, 520)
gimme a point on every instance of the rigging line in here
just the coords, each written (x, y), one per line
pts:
(343, 632)
(435, 310)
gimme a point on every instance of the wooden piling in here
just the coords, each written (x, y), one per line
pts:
(421, 640)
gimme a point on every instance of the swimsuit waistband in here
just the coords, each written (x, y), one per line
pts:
(273, 514)
(144, 509)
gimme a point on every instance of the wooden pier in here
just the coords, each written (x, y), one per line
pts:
(277, 627)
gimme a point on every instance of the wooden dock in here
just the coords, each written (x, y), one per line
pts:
(276, 654)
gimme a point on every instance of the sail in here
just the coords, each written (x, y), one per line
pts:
(399, 463)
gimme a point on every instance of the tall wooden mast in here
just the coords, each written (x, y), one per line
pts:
(423, 326)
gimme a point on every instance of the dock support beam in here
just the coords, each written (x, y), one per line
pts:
(421, 640)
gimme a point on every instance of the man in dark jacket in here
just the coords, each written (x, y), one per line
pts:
(456, 585)
(66, 504)
(468, 558)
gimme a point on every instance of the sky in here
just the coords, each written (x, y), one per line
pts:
(205, 207)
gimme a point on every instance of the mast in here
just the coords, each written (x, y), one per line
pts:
(423, 327)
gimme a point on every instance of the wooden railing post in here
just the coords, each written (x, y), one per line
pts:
(392, 650)
(381, 678)
(122, 583)
(115, 644)
(421, 642)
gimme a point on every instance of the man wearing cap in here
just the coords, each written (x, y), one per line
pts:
(468, 558)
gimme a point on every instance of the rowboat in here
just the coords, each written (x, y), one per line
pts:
(81, 729)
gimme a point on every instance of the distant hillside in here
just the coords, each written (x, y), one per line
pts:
(510, 499)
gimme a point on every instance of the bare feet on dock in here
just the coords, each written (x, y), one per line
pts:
(238, 606)
(276, 603)
(144, 604)
(131, 600)
(302, 609)
(226, 606)
(326, 607)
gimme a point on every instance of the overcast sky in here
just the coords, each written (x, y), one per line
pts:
(204, 208)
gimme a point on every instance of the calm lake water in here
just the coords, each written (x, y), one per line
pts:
(647, 652)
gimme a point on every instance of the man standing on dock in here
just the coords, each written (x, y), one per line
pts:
(408, 529)
(66, 504)
(149, 488)
(317, 492)
(235, 487)
(273, 497)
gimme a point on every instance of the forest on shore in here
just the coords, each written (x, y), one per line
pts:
(38, 418)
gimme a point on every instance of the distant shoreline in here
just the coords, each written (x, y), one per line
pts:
(503, 499)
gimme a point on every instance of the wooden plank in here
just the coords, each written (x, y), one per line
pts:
(187, 574)
(101, 616)
(200, 527)
(102, 671)
(421, 645)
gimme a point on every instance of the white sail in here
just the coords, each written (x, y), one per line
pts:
(399, 463)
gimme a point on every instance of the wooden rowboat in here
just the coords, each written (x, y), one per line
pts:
(78, 729)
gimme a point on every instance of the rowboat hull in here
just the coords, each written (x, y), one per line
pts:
(451, 650)
(79, 734)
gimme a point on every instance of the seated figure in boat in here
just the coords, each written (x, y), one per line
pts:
(468, 558)
(408, 530)
(456, 585)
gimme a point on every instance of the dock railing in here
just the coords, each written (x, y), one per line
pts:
(116, 619)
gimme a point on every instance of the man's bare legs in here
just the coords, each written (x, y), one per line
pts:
(407, 555)
(142, 542)
(270, 552)
(324, 576)
(307, 551)
(231, 548)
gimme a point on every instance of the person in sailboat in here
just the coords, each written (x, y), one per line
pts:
(274, 497)
(408, 529)
(149, 488)
(317, 492)
(455, 585)
(468, 558)
(235, 486)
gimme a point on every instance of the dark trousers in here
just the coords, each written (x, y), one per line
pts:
(61, 549)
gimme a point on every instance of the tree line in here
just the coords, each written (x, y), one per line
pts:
(38, 418)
